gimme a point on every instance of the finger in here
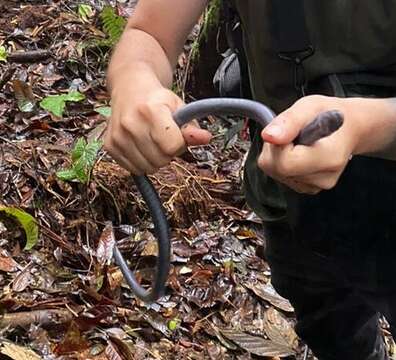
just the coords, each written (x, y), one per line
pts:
(287, 125)
(125, 163)
(194, 135)
(292, 161)
(127, 150)
(151, 151)
(164, 132)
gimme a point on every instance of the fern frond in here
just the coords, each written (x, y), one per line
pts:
(113, 24)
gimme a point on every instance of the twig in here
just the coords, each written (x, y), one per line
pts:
(108, 192)
(29, 56)
(40, 317)
(58, 239)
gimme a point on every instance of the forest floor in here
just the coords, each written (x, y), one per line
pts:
(65, 298)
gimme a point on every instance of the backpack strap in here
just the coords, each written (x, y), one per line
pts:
(291, 37)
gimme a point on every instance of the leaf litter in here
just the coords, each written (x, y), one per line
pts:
(62, 295)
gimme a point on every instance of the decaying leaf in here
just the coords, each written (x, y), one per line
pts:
(113, 353)
(72, 342)
(268, 293)
(257, 345)
(24, 95)
(23, 279)
(279, 329)
(7, 263)
(16, 352)
(106, 244)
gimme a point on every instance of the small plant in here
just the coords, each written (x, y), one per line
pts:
(211, 19)
(113, 25)
(104, 111)
(85, 12)
(83, 158)
(56, 104)
(3, 54)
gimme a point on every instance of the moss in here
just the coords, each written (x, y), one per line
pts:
(211, 20)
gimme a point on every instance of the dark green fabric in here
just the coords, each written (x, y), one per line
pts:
(348, 35)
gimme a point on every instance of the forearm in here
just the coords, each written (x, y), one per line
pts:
(150, 46)
(377, 122)
(139, 57)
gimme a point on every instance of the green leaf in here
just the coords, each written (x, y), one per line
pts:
(85, 11)
(83, 157)
(91, 152)
(55, 104)
(74, 96)
(3, 54)
(28, 223)
(173, 324)
(78, 149)
(80, 169)
(66, 175)
(105, 111)
(113, 24)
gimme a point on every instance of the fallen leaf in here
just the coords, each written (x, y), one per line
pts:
(72, 342)
(257, 345)
(28, 223)
(23, 279)
(24, 95)
(114, 353)
(7, 263)
(16, 352)
(268, 293)
(106, 244)
(279, 329)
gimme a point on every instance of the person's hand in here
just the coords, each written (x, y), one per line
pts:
(310, 169)
(142, 135)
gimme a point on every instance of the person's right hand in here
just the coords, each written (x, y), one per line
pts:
(142, 135)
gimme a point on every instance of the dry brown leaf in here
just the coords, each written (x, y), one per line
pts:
(268, 293)
(22, 280)
(151, 247)
(113, 353)
(7, 263)
(114, 277)
(16, 352)
(279, 329)
(106, 244)
(257, 345)
(24, 95)
(72, 342)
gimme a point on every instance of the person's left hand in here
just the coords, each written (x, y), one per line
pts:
(310, 169)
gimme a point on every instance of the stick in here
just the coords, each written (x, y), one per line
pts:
(29, 56)
(40, 317)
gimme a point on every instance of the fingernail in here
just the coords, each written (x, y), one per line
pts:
(274, 130)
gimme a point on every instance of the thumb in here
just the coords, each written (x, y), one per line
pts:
(194, 135)
(282, 130)
(286, 126)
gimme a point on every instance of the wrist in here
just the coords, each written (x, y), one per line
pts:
(373, 122)
(132, 78)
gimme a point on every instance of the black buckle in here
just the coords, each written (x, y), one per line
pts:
(297, 58)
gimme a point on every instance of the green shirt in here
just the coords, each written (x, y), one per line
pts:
(348, 36)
